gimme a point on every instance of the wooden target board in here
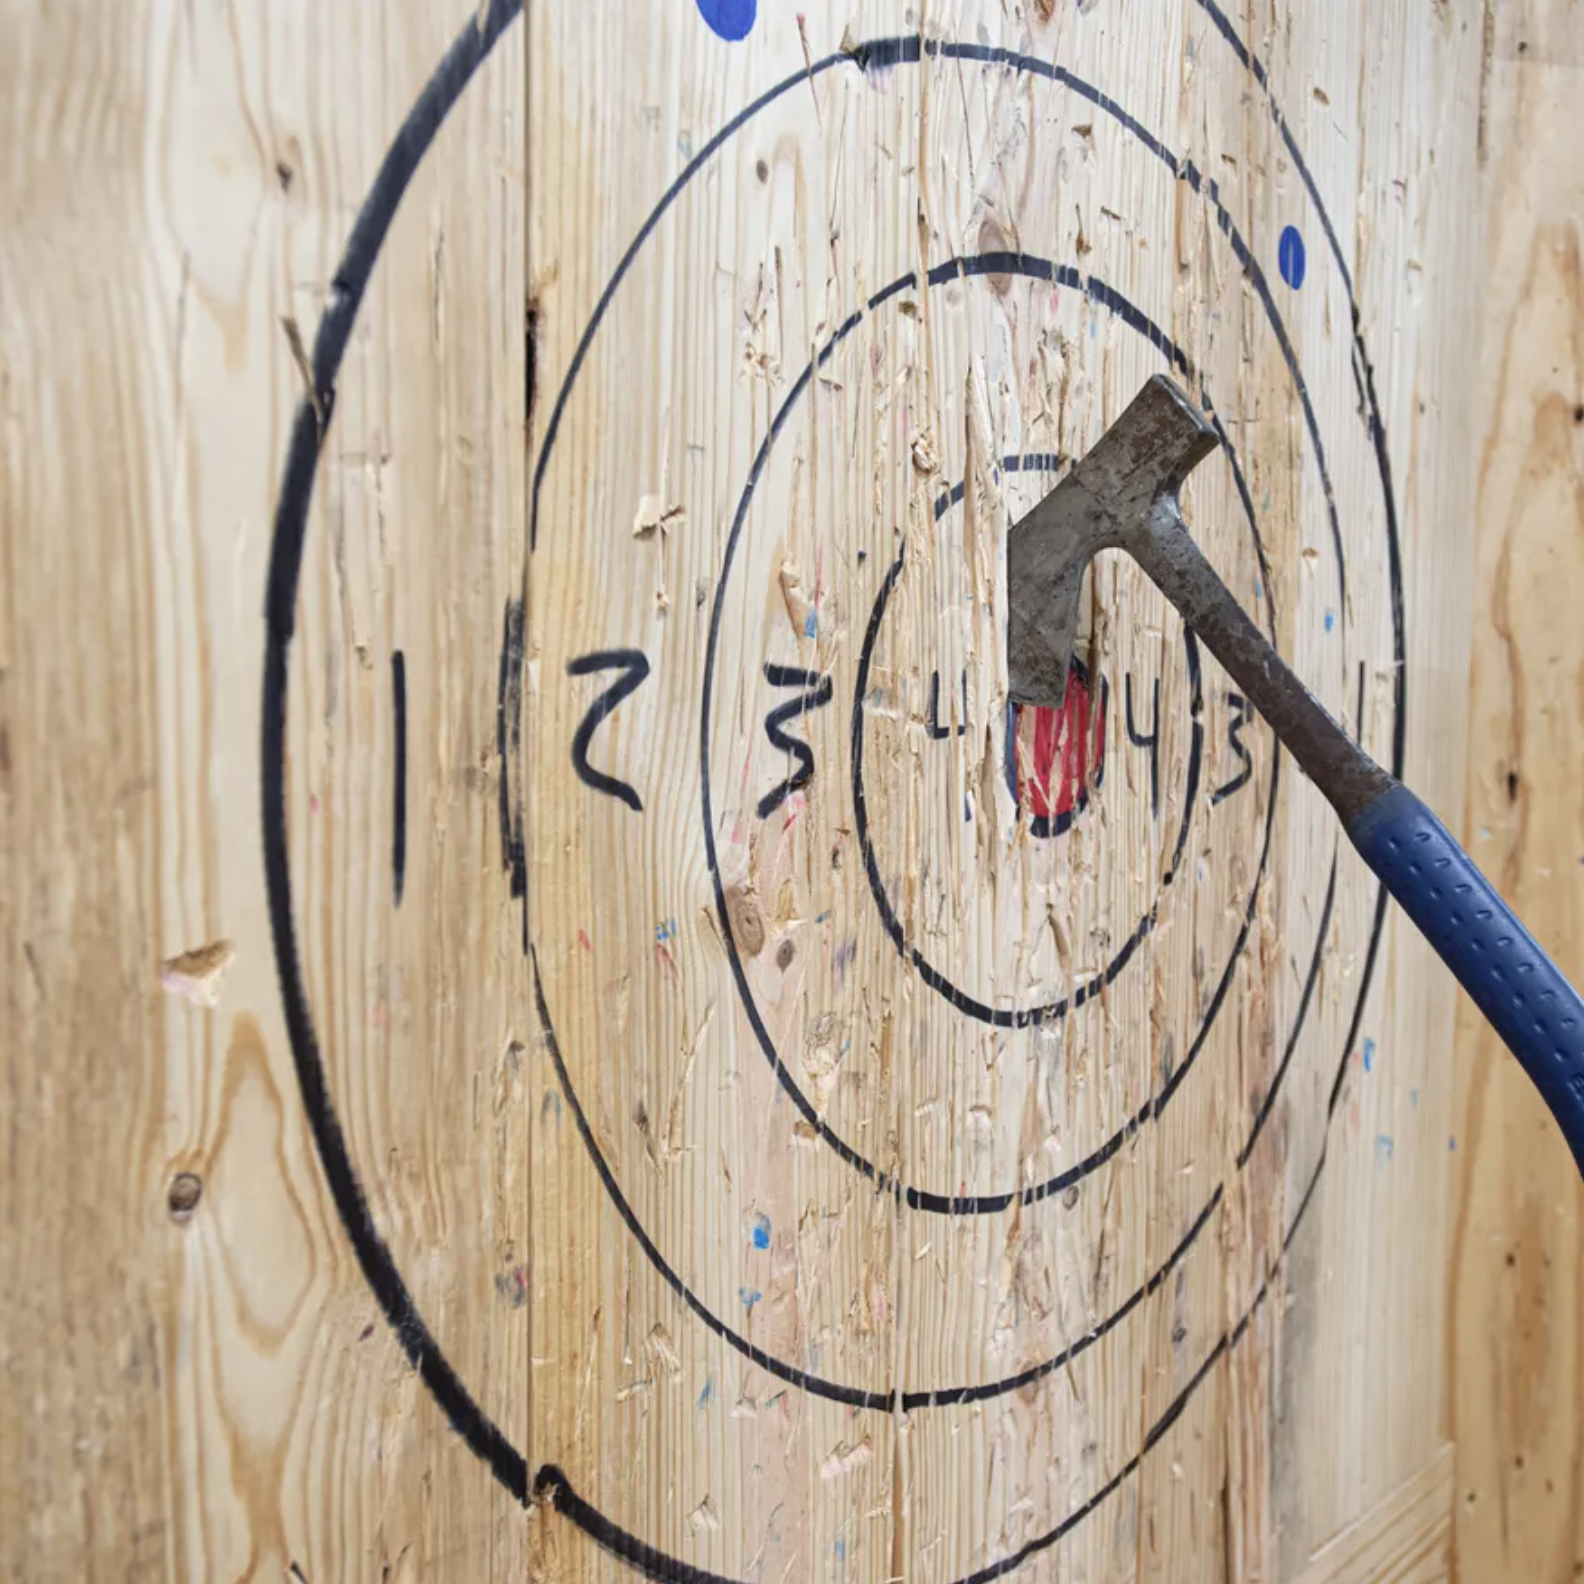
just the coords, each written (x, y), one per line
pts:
(712, 1091)
(939, 1089)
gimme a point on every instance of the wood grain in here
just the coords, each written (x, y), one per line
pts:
(199, 1383)
(758, 1282)
(1404, 1540)
(1517, 1345)
(901, 267)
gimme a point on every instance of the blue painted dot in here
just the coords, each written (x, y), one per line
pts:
(1330, 620)
(1290, 256)
(731, 19)
(749, 1297)
(1369, 1054)
(761, 1231)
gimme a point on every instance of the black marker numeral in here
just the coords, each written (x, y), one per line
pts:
(816, 693)
(634, 666)
(399, 811)
(938, 732)
(1139, 740)
(1241, 716)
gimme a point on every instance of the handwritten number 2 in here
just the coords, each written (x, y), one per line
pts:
(634, 667)
(816, 693)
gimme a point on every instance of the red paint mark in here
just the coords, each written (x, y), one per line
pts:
(1057, 753)
(665, 958)
(366, 1332)
(313, 802)
(583, 941)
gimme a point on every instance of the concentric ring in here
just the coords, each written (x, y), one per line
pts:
(308, 434)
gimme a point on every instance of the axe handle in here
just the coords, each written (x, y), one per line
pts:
(1522, 993)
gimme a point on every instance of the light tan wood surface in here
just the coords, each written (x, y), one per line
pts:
(789, 1196)
(1516, 1386)
(198, 1383)
(670, 1132)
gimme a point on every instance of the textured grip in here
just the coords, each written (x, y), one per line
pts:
(1511, 980)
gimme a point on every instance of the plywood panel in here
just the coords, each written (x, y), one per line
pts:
(946, 1166)
(549, 967)
(1517, 1388)
(199, 1381)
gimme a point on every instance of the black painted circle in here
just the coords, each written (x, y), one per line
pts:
(886, 53)
(475, 1427)
(473, 44)
(922, 1198)
(940, 983)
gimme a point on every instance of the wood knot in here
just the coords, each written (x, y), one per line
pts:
(746, 921)
(181, 1198)
(992, 239)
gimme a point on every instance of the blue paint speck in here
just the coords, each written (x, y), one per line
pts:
(1259, 589)
(731, 19)
(705, 1395)
(810, 626)
(1451, 1142)
(760, 1235)
(1290, 256)
(1330, 620)
(665, 930)
(750, 1296)
(1413, 1098)
(1369, 1054)
(840, 1548)
(1383, 1148)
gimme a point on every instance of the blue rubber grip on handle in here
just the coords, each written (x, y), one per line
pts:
(1510, 979)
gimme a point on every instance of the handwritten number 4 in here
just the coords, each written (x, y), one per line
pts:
(816, 693)
(634, 667)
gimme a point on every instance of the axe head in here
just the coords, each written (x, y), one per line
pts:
(1108, 501)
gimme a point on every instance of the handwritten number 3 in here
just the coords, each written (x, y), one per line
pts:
(634, 666)
(816, 693)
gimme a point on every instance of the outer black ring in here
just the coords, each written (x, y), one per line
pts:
(468, 1419)
(470, 1422)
